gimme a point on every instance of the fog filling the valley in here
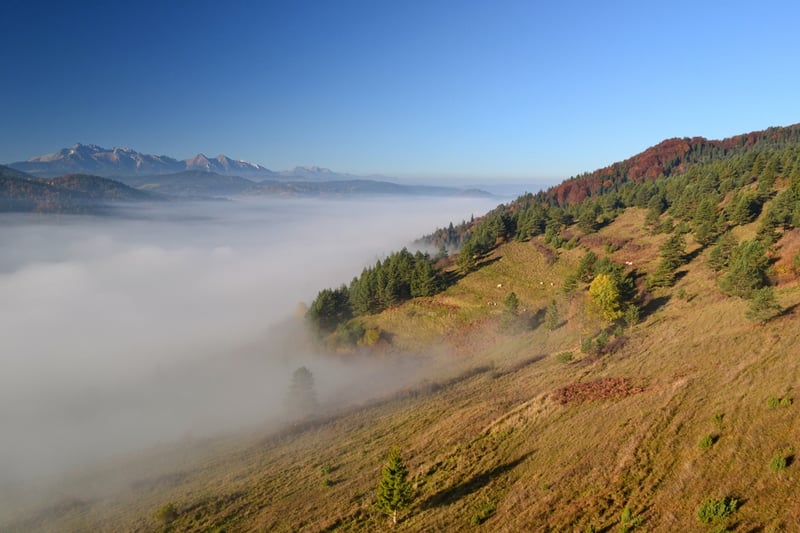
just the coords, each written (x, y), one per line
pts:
(119, 333)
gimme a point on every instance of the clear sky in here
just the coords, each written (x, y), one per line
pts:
(490, 90)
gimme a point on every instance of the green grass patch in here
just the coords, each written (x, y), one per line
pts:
(774, 401)
(707, 442)
(564, 357)
(627, 521)
(483, 512)
(781, 459)
(715, 509)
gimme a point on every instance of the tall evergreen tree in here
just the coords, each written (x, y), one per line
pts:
(551, 316)
(511, 304)
(747, 271)
(301, 400)
(394, 489)
(330, 308)
(763, 305)
(720, 254)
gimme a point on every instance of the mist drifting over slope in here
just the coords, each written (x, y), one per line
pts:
(123, 332)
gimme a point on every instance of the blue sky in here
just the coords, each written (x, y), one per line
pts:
(498, 90)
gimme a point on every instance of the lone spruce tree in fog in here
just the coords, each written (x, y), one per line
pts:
(394, 490)
(302, 398)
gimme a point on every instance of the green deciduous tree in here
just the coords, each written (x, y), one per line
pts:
(394, 490)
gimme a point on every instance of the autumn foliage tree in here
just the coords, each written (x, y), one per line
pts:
(605, 296)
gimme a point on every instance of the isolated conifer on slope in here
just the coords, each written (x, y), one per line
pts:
(301, 400)
(394, 490)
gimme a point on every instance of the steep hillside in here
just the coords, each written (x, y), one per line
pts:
(516, 427)
(625, 362)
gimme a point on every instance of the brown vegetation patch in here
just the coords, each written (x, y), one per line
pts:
(599, 389)
(548, 253)
(593, 240)
(784, 269)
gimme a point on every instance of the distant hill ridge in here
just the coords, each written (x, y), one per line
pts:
(72, 193)
(667, 157)
(85, 193)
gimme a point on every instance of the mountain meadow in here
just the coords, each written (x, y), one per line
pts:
(615, 353)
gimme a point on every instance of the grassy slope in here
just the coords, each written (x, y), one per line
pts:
(485, 433)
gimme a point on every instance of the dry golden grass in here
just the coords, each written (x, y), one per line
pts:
(484, 431)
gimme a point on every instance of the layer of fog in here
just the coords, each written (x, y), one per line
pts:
(119, 333)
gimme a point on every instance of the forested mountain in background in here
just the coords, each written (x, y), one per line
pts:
(697, 165)
(70, 194)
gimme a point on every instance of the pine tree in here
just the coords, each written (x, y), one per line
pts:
(672, 256)
(467, 258)
(763, 305)
(511, 304)
(747, 271)
(394, 490)
(330, 308)
(720, 254)
(302, 398)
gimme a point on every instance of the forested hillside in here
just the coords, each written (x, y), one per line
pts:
(691, 187)
(73, 193)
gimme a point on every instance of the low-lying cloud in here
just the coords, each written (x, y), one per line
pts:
(123, 332)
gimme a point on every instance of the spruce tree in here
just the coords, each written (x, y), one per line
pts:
(301, 401)
(763, 305)
(394, 490)
(747, 269)
(511, 304)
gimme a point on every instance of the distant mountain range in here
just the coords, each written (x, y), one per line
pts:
(84, 193)
(121, 162)
(127, 163)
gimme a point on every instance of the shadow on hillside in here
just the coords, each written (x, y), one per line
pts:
(535, 320)
(694, 254)
(654, 305)
(452, 277)
(471, 485)
(519, 365)
(789, 310)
